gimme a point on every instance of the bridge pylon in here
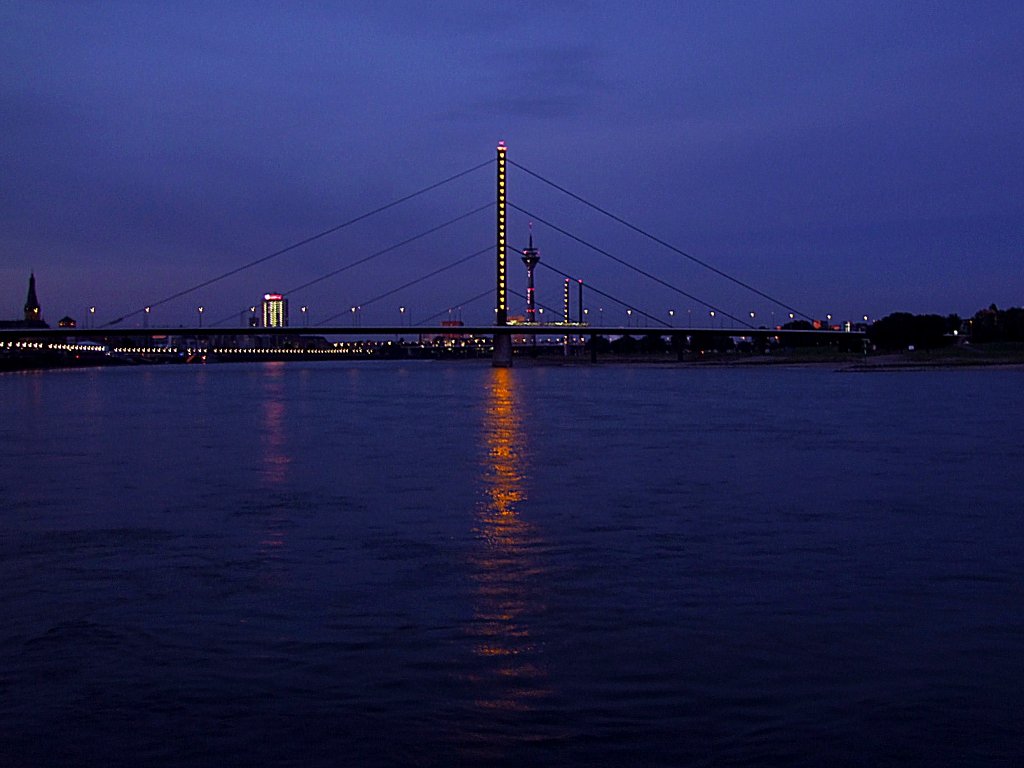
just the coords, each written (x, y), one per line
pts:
(502, 357)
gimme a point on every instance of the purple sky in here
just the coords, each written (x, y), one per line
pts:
(851, 158)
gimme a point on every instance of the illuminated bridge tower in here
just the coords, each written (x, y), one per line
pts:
(502, 340)
(530, 258)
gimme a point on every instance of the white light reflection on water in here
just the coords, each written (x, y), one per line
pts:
(273, 435)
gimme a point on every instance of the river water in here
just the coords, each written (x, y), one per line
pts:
(448, 564)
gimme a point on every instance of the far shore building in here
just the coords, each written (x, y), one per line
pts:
(33, 312)
(275, 310)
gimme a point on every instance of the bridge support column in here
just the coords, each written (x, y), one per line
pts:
(679, 343)
(502, 351)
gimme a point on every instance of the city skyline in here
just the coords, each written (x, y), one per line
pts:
(848, 160)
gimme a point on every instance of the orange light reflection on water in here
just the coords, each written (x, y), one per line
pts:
(506, 571)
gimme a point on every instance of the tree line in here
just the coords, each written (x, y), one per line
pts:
(901, 330)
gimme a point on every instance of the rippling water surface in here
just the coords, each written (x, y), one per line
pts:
(431, 564)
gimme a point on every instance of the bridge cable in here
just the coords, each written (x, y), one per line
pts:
(467, 302)
(593, 289)
(372, 256)
(464, 259)
(624, 263)
(679, 290)
(488, 292)
(658, 240)
(303, 242)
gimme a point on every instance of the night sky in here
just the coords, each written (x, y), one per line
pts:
(844, 157)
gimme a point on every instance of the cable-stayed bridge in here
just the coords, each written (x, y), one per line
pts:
(581, 321)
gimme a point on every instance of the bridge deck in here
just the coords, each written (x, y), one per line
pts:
(405, 330)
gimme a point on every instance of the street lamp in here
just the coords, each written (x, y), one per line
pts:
(305, 317)
(629, 317)
(671, 315)
(712, 313)
(201, 310)
(92, 317)
(401, 315)
(145, 317)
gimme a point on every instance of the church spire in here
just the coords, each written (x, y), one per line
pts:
(32, 311)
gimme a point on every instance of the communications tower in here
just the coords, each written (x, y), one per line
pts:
(530, 258)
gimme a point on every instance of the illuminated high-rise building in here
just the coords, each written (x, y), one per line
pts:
(275, 310)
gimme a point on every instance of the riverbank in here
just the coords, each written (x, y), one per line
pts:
(1003, 356)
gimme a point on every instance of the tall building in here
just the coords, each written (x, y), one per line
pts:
(275, 310)
(33, 313)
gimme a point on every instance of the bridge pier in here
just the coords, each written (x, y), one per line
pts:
(502, 357)
(679, 344)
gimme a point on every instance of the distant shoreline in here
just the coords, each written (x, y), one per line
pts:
(998, 357)
(1001, 357)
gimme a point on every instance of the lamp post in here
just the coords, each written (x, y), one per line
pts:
(305, 317)
(712, 313)
(671, 317)
(145, 317)
(401, 315)
(201, 310)
(92, 317)
(629, 317)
